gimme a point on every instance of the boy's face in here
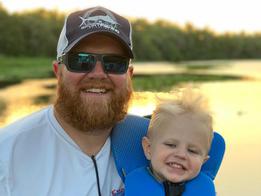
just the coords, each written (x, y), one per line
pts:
(178, 150)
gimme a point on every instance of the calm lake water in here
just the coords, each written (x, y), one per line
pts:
(236, 107)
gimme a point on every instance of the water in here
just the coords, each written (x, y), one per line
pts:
(236, 108)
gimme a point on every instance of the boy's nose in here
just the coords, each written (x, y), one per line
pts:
(181, 154)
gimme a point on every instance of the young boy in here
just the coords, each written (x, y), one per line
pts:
(177, 144)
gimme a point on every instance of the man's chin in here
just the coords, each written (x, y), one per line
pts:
(92, 108)
(95, 101)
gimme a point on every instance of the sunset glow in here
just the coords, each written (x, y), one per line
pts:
(218, 15)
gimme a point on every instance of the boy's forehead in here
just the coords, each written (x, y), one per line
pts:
(183, 124)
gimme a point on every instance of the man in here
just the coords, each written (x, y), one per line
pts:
(65, 149)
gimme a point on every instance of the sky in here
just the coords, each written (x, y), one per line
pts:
(218, 15)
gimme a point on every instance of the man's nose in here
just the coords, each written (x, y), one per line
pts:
(97, 71)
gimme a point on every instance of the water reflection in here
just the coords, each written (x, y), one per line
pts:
(236, 107)
(20, 98)
(237, 110)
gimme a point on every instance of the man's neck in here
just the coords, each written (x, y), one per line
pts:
(90, 141)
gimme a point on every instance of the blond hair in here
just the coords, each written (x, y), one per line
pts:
(186, 101)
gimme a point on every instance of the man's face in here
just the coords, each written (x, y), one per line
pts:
(178, 150)
(94, 100)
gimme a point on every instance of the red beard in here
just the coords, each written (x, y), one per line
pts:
(89, 115)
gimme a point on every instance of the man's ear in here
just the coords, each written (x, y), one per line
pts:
(56, 68)
(130, 70)
(146, 147)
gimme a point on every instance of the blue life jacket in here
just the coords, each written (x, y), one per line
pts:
(127, 150)
(141, 183)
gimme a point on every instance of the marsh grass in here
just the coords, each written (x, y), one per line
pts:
(197, 67)
(42, 99)
(16, 69)
(2, 107)
(167, 81)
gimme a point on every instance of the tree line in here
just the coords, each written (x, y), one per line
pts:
(36, 33)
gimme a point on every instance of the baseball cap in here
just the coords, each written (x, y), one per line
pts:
(81, 24)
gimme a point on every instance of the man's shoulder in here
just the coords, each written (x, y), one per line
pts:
(126, 143)
(23, 125)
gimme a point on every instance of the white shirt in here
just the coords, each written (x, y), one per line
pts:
(38, 158)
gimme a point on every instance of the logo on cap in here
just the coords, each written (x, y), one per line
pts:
(106, 21)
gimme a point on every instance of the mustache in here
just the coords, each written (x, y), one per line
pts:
(97, 83)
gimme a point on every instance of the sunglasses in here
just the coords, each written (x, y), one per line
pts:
(85, 62)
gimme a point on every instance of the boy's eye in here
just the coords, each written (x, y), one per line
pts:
(193, 151)
(170, 145)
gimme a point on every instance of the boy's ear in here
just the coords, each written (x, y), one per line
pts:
(146, 147)
(206, 158)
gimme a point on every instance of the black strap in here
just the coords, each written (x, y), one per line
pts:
(97, 174)
(173, 189)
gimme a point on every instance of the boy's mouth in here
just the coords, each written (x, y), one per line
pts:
(176, 165)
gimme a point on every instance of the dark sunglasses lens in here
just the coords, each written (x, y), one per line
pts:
(115, 64)
(81, 62)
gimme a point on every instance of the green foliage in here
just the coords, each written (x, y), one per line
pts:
(31, 33)
(15, 69)
(164, 41)
(36, 33)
